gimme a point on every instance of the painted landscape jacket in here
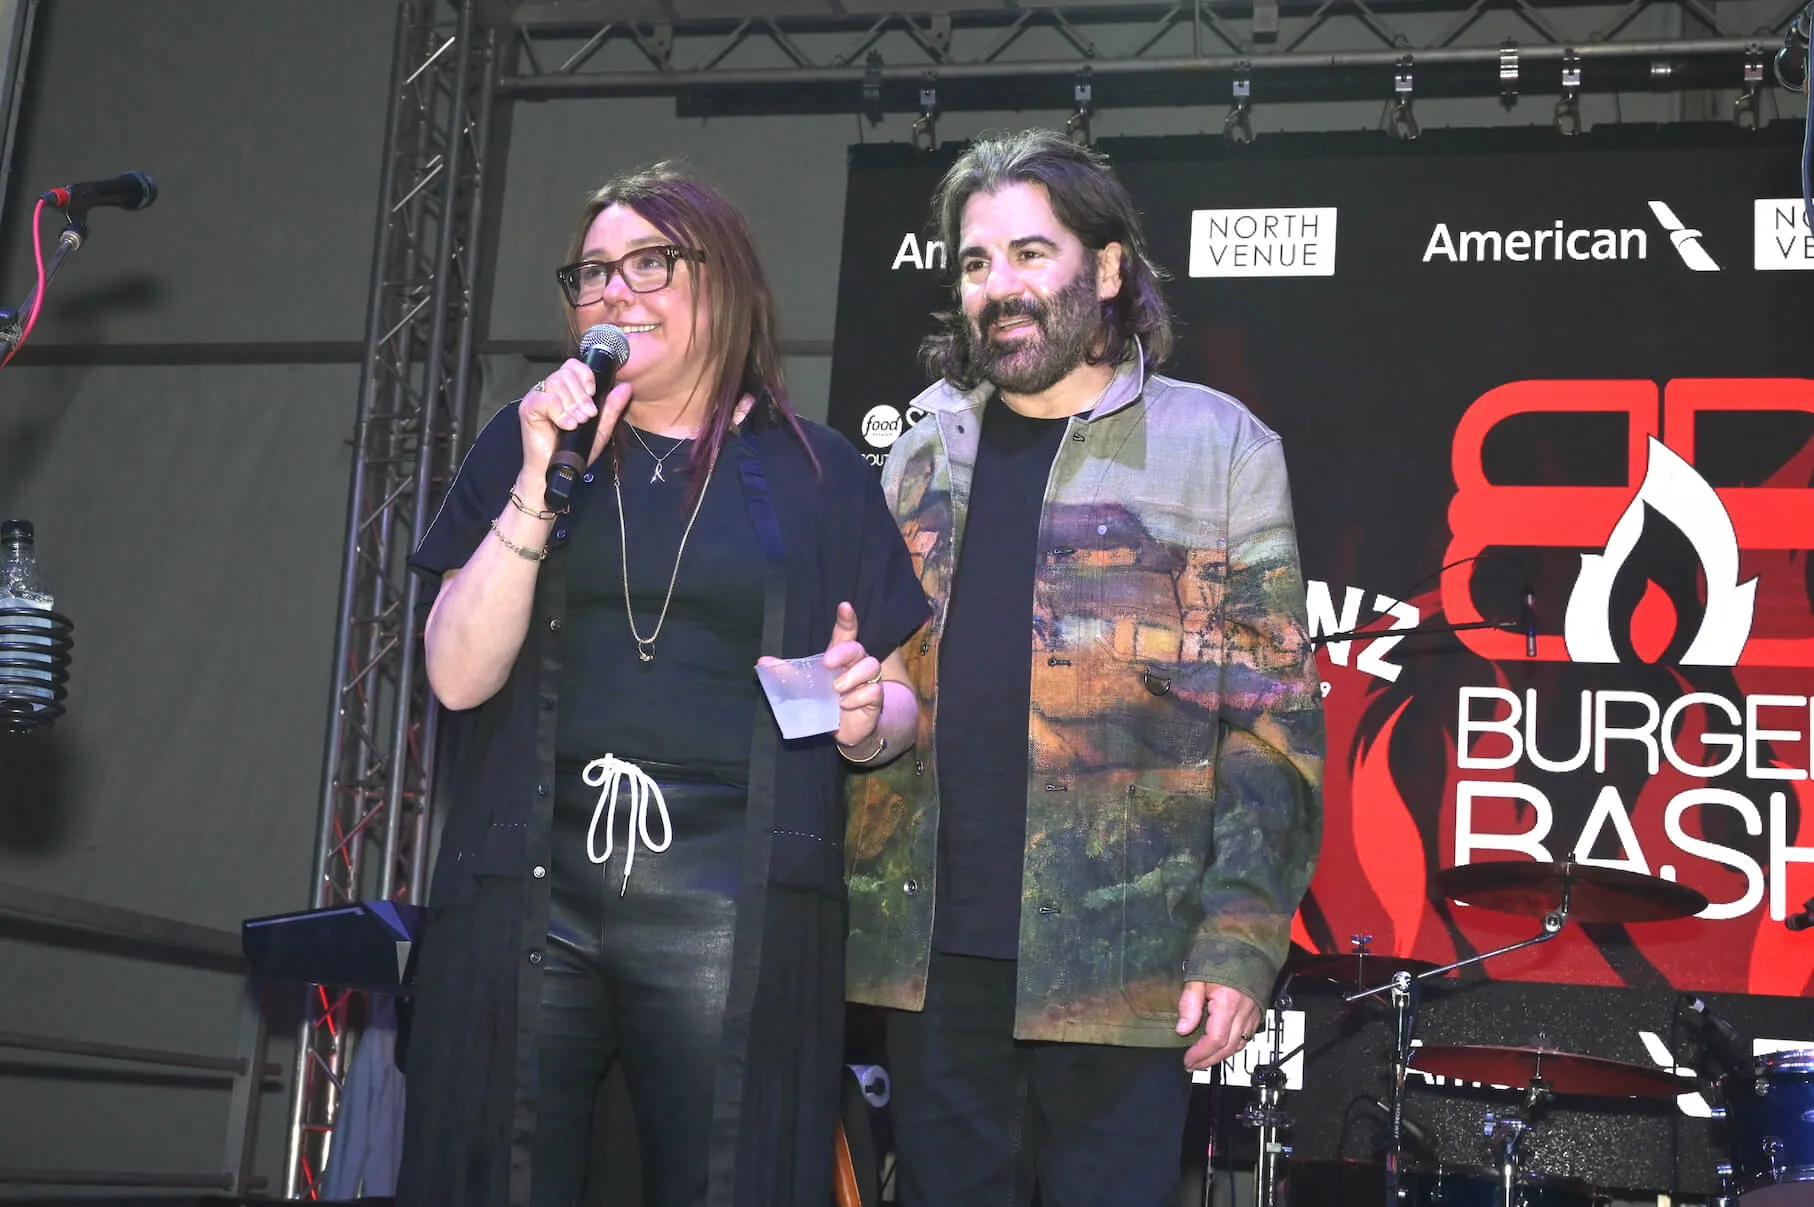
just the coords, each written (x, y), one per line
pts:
(1175, 737)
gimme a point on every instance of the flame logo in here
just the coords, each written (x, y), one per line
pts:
(1676, 492)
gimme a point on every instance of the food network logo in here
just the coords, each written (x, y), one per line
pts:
(1559, 241)
(884, 424)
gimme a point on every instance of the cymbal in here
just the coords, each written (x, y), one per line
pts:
(1599, 894)
(1353, 967)
(1562, 1072)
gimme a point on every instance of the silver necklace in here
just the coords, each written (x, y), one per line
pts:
(657, 475)
(645, 646)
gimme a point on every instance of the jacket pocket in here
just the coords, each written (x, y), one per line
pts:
(1168, 843)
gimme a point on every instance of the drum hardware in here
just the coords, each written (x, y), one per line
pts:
(1587, 892)
(1558, 1072)
(1553, 893)
(1506, 1133)
(1403, 989)
(1267, 1112)
(1356, 968)
(1769, 1131)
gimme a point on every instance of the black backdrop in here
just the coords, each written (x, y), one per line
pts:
(1634, 304)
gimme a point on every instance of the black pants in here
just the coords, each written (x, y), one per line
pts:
(980, 1117)
(638, 978)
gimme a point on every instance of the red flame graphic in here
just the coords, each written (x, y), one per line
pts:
(1652, 623)
(1386, 840)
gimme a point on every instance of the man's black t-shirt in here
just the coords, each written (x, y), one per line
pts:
(985, 688)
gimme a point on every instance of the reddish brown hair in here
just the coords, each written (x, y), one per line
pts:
(743, 346)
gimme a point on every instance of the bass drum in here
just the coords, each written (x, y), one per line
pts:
(1770, 1131)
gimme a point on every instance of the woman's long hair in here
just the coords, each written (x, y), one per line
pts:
(743, 346)
(1093, 204)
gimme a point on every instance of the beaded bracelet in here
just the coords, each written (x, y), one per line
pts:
(522, 551)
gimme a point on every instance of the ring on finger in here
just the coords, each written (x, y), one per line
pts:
(540, 387)
(876, 678)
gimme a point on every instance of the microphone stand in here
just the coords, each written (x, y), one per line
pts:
(12, 322)
(1508, 626)
(1403, 988)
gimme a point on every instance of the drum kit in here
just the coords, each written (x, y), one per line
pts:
(1768, 1105)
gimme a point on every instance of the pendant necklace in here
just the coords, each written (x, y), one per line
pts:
(657, 476)
(645, 646)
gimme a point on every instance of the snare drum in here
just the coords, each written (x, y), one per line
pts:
(1770, 1131)
(1466, 1186)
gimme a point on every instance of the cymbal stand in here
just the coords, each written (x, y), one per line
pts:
(1403, 988)
(1506, 1133)
(1267, 1112)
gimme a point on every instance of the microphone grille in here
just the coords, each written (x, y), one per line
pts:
(613, 342)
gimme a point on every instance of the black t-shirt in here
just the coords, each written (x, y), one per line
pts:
(986, 687)
(695, 702)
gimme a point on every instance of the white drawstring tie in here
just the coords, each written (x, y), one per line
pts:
(608, 775)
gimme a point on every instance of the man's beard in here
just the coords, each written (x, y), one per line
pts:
(1070, 323)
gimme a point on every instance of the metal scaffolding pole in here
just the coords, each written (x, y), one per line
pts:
(412, 420)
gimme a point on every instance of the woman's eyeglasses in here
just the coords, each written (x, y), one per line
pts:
(645, 270)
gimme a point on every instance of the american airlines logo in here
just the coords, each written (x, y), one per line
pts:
(1559, 242)
(1686, 241)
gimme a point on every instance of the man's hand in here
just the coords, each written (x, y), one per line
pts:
(1228, 1018)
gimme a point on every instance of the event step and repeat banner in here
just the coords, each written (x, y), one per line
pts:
(1574, 370)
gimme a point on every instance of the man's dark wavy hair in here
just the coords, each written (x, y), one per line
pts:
(1091, 201)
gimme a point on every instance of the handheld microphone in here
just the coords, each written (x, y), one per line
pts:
(128, 191)
(1527, 620)
(1804, 919)
(604, 348)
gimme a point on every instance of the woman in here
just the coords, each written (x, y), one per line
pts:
(635, 867)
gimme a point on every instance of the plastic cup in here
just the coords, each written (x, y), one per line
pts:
(802, 695)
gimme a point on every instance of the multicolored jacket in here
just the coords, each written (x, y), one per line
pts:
(1175, 739)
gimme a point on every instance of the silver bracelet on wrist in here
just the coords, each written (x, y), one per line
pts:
(871, 757)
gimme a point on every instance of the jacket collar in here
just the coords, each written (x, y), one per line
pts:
(1124, 387)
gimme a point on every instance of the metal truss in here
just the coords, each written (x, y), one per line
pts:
(895, 61)
(413, 420)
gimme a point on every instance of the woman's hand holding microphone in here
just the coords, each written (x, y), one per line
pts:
(561, 402)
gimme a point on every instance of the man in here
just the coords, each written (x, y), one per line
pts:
(1093, 857)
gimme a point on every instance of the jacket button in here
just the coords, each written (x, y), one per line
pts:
(1158, 685)
(554, 624)
(1057, 661)
(1077, 435)
(540, 872)
(541, 789)
(1049, 909)
(926, 646)
(919, 766)
(1057, 788)
(911, 887)
(560, 534)
(587, 478)
(1064, 551)
(547, 703)
(535, 957)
